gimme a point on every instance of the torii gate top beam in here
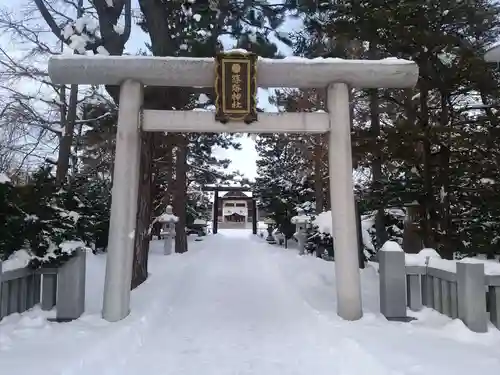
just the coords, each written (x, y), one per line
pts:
(293, 72)
(226, 188)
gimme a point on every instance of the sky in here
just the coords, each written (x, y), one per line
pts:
(243, 160)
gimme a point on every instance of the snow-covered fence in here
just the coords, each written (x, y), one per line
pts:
(468, 289)
(62, 287)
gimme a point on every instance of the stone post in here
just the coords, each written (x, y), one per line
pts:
(472, 296)
(116, 300)
(49, 290)
(344, 235)
(392, 281)
(414, 291)
(70, 302)
(494, 304)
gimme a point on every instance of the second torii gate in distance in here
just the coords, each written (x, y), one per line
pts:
(217, 189)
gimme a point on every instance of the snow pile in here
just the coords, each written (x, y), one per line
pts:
(490, 267)
(168, 218)
(431, 258)
(333, 60)
(324, 222)
(4, 179)
(238, 50)
(391, 246)
(420, 259)
(18, 259)
(203, 99)
(301, 219)
(22, 258)
(261, 225)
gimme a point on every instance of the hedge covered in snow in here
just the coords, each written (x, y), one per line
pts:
(320, 234)
(40, 223)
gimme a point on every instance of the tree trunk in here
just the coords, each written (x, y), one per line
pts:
(144, 208)
(67, 138)
(318, 175)
(69, 121)
(428, 202)
(169, 170)
(444, 238)
(377, 182)
(180, 194)
(377, 177)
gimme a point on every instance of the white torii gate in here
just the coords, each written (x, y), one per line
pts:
(134, 72)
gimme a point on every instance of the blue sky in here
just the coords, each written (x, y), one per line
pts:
(243, 160)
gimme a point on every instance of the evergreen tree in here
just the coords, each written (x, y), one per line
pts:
(283, 181)
(432, 141)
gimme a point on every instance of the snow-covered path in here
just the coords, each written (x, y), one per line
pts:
(235, 305)
(234, 315)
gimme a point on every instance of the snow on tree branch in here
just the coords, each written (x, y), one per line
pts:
(84, 34)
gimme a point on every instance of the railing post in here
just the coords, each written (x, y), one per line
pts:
(453, 300)
(472, 296)
(49, 291)
(70, 303)
(37, 285)
(414, 292)
(392, 281)
(436, 292)
(14, 288)
(494, 303)
(446, 297)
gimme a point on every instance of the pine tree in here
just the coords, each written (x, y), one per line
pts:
(426, 134)
(284, 181)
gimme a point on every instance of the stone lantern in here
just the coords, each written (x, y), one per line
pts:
(301, 222)
(168, 220)
(270, 222)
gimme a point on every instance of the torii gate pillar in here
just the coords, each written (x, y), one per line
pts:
(120, 255)
(342, 201)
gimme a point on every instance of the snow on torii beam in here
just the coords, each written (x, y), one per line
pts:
(133, 72)
(294, 72)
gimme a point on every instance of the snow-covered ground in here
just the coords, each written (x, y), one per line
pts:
(236, 305)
